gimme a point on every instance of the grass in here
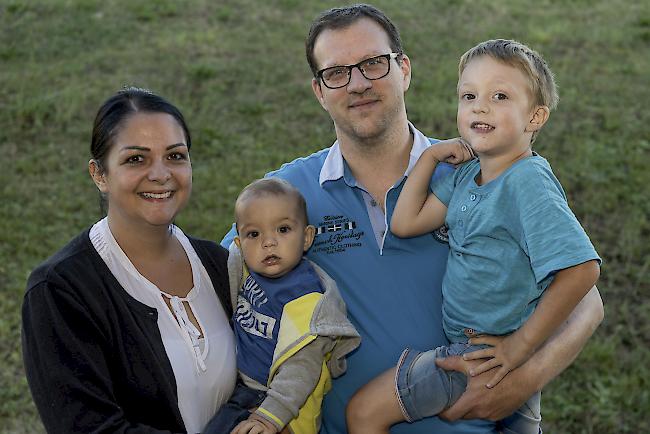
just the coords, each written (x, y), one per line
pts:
(237, 70)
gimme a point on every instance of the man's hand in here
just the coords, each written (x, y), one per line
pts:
(479, 402)
(507, 352)
(255, 425)
(452, 151)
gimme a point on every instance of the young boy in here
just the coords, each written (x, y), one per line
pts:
(519, 261)
(290, 322)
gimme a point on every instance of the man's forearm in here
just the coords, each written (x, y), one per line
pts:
(566, 343)
(568, 289)
(479, 402)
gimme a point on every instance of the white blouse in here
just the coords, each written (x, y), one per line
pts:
(204, 367)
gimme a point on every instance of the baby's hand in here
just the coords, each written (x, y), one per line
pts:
(254, 425)
(509, 352)
(453, 151)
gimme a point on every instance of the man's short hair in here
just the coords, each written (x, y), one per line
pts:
(339, 18)
(274, 187)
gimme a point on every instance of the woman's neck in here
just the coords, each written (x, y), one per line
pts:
(144, 242)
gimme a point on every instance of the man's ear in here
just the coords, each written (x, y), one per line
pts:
(405, 66)
(97, 175)
(310, 233)
(318, 91)
(539, 118)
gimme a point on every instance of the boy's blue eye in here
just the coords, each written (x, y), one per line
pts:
(467, 96)
(500, 96)
(284, 229)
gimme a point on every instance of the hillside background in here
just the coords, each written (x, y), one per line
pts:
(238, 72)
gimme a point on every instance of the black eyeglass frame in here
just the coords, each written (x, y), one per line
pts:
(388, 57)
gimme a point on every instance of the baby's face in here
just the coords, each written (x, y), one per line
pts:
(495, 107)
(272, 234)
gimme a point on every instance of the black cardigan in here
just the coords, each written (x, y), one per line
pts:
(93, 355)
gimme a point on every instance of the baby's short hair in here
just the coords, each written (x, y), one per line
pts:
(527, 60)
(273, 187)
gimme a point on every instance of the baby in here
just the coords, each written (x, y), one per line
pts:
(290, 322)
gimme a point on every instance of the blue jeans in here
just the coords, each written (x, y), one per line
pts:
(425, 390)
(237, 409)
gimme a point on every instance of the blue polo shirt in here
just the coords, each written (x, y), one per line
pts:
(391, 286)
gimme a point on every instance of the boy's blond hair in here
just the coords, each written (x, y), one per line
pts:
(527, 60)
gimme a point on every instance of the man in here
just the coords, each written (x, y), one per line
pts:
(392, 285)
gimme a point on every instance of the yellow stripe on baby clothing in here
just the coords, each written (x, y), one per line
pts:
(308, 419)
(294, 332)
(266, 413)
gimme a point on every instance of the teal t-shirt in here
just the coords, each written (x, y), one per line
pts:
(507, 240)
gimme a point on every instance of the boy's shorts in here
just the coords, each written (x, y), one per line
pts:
(425, 390)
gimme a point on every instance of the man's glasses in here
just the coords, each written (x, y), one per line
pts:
(373, 69)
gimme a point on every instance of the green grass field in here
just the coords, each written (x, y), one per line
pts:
(237, 70)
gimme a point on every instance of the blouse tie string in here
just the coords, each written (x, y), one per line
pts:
(180, 313)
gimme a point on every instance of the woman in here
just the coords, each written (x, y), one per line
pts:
(126, 328)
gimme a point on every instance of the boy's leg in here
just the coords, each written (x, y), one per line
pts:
(374, 407)
(526, 419)
(415, 389)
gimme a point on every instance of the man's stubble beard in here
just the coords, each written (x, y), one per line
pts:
(370, 136)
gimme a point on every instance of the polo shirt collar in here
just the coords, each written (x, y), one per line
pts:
(334, 167)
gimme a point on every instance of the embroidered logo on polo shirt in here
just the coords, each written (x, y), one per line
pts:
(335, 227)
(442, 234)
(336, 234)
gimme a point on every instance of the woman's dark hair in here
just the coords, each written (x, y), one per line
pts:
(119, 108)
(116, 110)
